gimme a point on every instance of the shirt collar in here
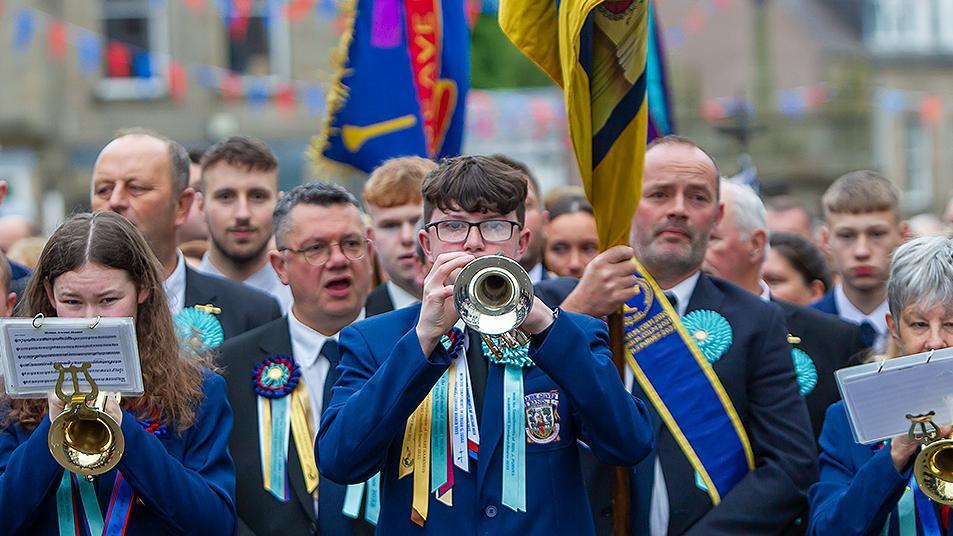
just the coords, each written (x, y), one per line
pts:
(683, 292)
(206, 266)
(878, 318)
(399, 297)
(174, 285)
(302, 336)
(536, 273)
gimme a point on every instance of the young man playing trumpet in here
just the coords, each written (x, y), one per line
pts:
(466, 441)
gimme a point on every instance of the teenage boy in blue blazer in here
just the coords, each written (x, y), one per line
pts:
(473, 206)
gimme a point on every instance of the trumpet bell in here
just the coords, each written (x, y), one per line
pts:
(933, 470)
(86, 441)
(493, 294)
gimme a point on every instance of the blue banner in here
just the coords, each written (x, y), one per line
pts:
(404, 76)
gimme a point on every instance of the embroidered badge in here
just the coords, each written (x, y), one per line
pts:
(542, 417)
(636, 307)
(198, 331)
(805, 370)
(710, 331)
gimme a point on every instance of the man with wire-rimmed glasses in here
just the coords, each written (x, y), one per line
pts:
(323, 255)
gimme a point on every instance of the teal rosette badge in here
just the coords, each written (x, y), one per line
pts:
(805, 370)
(198, 331)
(710, 331)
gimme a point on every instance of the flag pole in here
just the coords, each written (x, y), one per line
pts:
(621, 490)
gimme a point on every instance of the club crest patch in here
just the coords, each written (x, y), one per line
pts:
(542, 417)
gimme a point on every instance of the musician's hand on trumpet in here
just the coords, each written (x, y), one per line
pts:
(904, 448)
(539, 319)
(437, 312)
(109, 403)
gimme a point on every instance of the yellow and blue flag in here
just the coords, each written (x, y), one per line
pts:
(596, 51)
(403, 76)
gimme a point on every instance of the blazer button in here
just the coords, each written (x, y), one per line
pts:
(490, 511)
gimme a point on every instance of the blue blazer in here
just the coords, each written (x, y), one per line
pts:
(185, 482)
(827, 304)
(859, 486)
(385, 376)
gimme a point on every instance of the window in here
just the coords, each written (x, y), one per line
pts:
(136, 50)
(258, 44)
(918, 163)
(904, 26)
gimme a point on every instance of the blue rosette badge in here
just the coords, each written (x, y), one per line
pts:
(273, 380)
(276, 377)
(198, 331)
(710, 331)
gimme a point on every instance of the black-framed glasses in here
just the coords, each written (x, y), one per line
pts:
(317, 254)
(458, 230)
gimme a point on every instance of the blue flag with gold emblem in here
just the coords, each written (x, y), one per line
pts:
(403, 76)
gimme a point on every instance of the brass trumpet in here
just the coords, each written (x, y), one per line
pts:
(933, 467)
(494, 295)
(84, 439)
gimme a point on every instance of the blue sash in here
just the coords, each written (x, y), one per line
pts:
(684, 389)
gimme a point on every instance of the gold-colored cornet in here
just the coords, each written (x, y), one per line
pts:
(494, 295)
(84, 439)
(933, 467)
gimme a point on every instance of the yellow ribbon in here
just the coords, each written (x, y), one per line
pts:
(302, 428)
(265, 406)
(421, 498)
(408, 447)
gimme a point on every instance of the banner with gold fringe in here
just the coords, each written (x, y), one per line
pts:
(401, 86)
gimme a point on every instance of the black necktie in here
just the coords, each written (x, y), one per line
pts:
(330, 350)
(477, 365)
(868, 333)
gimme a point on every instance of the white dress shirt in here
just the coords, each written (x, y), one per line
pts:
(174, 286)
(399, 297)
(536, 273)
(306, 344)
(265, 280)
(878, 318)
(658, 508)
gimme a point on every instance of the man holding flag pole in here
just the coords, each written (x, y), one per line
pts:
(735, 454)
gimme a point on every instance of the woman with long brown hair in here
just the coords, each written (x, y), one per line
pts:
(175, 475)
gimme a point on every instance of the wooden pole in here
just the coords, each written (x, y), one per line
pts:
(621, 499)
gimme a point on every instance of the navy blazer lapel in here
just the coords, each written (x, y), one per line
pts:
(491, 422)
(827, 304)
(278, 341)
(705, 296)
(195, 292)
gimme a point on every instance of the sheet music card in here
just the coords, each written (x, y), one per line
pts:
(29, 349)
(879, 396)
